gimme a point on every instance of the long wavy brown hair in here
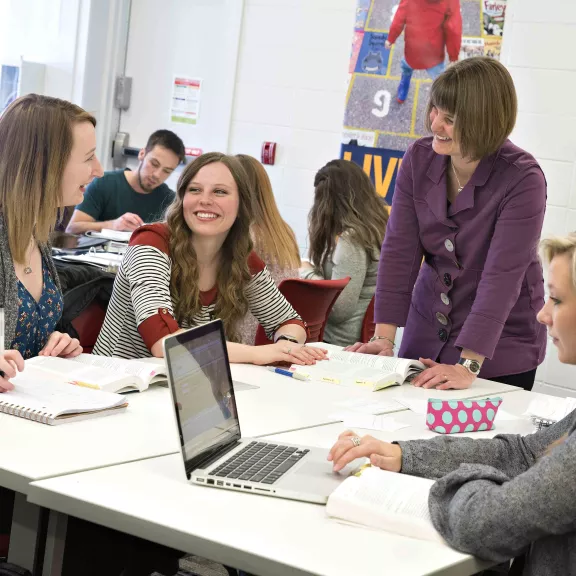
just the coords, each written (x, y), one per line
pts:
(345, 200)
(273, 239)
(234, 273)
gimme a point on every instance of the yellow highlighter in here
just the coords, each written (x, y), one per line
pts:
(362, 468)
(84, 384)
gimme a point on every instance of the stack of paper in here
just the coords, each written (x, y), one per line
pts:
(551, 408)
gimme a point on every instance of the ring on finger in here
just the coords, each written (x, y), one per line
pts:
(444, 379)
(355, 440)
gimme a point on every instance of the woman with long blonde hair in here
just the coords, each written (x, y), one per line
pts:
(197, 266)
(511, 496)
(47, 159)
(274, 241)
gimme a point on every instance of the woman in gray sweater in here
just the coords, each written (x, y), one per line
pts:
(510, 496)
(346, 227)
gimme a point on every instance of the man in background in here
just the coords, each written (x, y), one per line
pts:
(125, 199)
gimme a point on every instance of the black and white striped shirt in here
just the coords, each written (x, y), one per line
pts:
(141, 309)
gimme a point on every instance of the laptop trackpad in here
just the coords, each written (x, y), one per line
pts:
(315, 476)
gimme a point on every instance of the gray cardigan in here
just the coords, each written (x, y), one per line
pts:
(9, 283)
(507, 500)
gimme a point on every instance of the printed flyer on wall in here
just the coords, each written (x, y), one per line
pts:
(398, 49)
(185, 105)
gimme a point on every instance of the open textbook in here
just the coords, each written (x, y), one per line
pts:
(354, 369)
(385, 500)
(99, 372)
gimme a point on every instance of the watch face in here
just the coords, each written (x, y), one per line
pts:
(474, 366)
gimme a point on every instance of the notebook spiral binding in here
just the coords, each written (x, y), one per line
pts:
(542, 422)
(22, 412)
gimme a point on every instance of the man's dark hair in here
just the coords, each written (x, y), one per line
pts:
(167, 139)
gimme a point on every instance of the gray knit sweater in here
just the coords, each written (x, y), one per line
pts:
(9, 283)
(505, 501)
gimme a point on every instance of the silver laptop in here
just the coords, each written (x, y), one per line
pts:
(214, 452)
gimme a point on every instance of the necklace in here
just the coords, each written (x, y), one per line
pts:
(28, 269)
(460, 187)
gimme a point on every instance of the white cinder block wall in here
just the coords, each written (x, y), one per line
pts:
(291, 88)
(539, 49)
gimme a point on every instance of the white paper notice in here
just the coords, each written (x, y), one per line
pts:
(185, 103)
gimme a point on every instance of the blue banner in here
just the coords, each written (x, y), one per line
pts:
(381, 165)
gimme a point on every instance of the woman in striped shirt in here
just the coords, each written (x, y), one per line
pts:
(199, 265)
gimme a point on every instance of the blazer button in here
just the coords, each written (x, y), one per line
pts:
(164, 311)
(448, 244)
(441, 318)
(443, 335)
(445, 299)
(447, 279)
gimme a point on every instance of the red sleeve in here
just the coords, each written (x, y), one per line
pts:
(157, 326)
(399, 22)
(453, 30)
(156, 235)
(255, 263)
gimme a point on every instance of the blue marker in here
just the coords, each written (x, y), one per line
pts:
(288, 373)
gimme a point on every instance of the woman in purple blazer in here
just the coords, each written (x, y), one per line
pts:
(470, 204)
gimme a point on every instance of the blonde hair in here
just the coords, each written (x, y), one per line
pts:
(273, 239)
(36, 141)
(479, 93)
(557, 246)
(233, 271)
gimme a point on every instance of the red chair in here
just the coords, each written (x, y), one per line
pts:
(368, 324)
(88, 325)
(313, 300)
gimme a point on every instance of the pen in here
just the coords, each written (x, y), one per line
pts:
(288, 373)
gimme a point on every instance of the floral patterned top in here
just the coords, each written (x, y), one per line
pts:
(37, 320)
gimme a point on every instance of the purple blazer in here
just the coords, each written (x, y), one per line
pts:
(481, 285)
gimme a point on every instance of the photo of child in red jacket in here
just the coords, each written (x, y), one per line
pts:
(431, 28)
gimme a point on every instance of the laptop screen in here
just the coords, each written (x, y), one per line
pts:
(202, 392)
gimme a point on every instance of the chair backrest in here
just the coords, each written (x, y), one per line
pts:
(313, 300)
(88, 324)
(368, 324)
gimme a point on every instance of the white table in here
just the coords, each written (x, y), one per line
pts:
(147, 430)
(263, 535)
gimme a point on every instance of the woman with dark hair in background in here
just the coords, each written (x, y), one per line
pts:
(346, 227)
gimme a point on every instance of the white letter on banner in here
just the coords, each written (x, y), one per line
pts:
(382, 98)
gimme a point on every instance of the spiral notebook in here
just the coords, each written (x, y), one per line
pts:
(53, 403)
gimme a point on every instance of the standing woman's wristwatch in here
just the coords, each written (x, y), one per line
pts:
(473, 366)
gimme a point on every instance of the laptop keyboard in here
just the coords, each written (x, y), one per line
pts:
(260, 462)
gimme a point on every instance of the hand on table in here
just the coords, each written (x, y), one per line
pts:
(60, 344)
(11, 362)
(443, 376)
(350, 446)
(378, 348)
(284, 351)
